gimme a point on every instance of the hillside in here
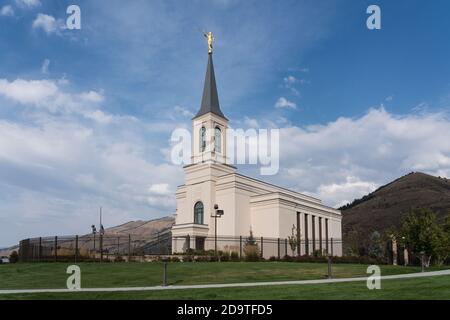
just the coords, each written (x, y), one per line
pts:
(142, 229)
(385, 207)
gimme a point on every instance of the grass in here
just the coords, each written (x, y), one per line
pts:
(94, 275)
(53, 275)
(432, 288)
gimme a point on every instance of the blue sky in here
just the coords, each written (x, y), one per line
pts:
(91, 126)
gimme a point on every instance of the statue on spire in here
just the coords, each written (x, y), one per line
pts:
(209, 36)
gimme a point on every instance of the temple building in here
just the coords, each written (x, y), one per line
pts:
(272, 213)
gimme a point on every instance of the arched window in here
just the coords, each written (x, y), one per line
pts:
(202, 139)
(218, 140)
(198, 213)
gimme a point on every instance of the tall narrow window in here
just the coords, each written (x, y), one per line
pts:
(202, 139)
(198, 213)
(218, 140)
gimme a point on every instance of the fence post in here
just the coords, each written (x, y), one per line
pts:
(129, 247)
(278, 248)
(285, 246)
(56, 248)
(101, 248)
(76, 248)
(118, 246)
(40, 249)
(262, 247)
(240, 247)
(331, 242)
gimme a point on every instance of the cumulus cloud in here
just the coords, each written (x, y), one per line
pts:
(346, 158)
(179, 110)
(160, 189)
(28, 3)
(47, 23)
(7, 11)
(283, 103)
(56, 168)
(28, 91)
(50, 95)
(250, 122)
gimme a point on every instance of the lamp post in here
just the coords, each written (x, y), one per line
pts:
(94, 231)
(217, 214)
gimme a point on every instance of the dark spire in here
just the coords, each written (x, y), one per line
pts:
(210, 99)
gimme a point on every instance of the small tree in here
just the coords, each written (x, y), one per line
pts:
(251, 249)
(422, 234)
(442, 249)
(294, 241)
(376, 249)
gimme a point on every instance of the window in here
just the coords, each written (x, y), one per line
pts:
(202, 139)
(218, 140)
(198, 213)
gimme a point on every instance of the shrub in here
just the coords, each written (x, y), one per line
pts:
(272, 258)
(224, 256)
(119, 259)
(234, 256)
(251, 252)
(14, 257)
(175, 259)
(201, 259)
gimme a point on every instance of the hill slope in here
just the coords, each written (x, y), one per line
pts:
(142, 228)
(385, 207)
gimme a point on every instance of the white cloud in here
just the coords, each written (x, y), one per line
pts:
(57, 168)
(92, 96)
(252, 123)
(283, 103)
(7, 11)
(290, 81)
(28, 3)
(183, 111)
(160, 189)
(49, 95)
(345, 192)
(24, 91)
(347, 158)
(45, 66)
(47, 23)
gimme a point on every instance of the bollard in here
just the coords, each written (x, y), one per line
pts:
(165, 272)
(329, 267)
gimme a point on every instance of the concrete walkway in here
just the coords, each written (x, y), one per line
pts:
(231, 285)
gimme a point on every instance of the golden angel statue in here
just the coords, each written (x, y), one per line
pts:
(209, 36)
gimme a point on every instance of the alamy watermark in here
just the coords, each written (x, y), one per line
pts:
(374, 280)
(73, 21)
(74, 280)
(374, 20)
(254, 147)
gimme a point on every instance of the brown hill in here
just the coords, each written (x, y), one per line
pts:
(385, 207)
(142, 229)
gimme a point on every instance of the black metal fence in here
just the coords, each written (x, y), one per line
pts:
(93, 247)
(122, 247)
(266, 247)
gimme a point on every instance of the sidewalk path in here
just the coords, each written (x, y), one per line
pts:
(231, 285)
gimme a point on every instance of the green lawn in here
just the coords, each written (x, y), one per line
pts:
(94, 275)
(404, 289)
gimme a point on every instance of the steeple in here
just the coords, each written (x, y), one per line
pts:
(210, 99)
